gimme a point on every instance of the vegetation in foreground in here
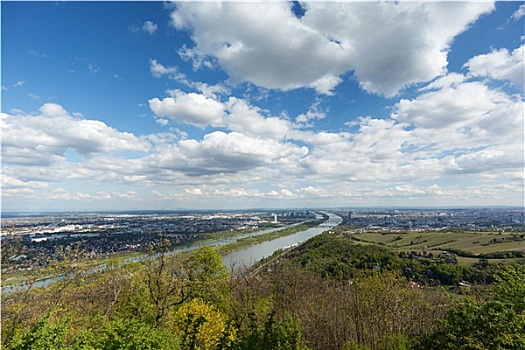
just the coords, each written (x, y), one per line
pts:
(329, 293)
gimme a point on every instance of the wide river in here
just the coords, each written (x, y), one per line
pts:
(248, 256)
(243, 257)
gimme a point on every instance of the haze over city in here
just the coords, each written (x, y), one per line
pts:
(212, 105)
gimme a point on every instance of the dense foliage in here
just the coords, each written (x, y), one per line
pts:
(338, 257)
(329, 293)
(496, 321)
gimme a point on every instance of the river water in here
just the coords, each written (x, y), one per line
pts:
(248, 256)
(240, 258)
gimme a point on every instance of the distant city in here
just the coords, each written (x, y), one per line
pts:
(438, 219)
(105, 234)
(37, 236)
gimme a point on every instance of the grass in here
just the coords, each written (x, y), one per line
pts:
(472, 261)
(436, 241)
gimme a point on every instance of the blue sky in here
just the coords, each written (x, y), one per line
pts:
(210, 105)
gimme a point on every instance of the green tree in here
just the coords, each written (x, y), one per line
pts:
(493, 324)
(274, 334)
(207, 276)
(48, 333)
(166, 281)
(133, 334)
(201, 327)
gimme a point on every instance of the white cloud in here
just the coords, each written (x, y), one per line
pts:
(326, 84)
(248, 119)
(93, 68)
(248, 53)
(501, 157)
(313, 113)
(409, 189)
(194, 191)
(286, 193)
(371, 153)
(224, 153)
(63, 194)
(162, 121)
(211, 90)
(449, 80)
(189, 108)
(149, 27)
(469, 109)
(19, 83)
(464, 127)
(13, 185)
(44, 138)
(127, 195)
(457, 135)
(519, 13)
(146, 27)
(397, 45)
(500, 64)
(158, 70)
(205, 110)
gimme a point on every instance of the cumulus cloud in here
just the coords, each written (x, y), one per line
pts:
(500, 64)
(456, 129)
(245, 118)
(14, 186)
(211, 90)
(501, 157)
(370, 153)
(464, 127)
(45, 137)
(469, 108)
(248, 53)
(313, 113)
(189, 108)
(158, 70)
(225, 153)
(397, 45)
(206, 110)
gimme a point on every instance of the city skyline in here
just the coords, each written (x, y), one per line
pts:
(212, 105)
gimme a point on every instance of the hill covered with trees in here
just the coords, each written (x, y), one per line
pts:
(328, 293)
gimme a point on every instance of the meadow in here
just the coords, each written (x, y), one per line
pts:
(469, 245)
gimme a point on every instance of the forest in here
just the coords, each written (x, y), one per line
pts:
(331, 292)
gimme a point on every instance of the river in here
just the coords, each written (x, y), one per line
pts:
(248, 256)
(239, 258)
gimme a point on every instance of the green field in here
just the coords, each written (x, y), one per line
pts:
(470, 243)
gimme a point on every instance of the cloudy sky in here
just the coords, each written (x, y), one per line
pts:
(208, 105)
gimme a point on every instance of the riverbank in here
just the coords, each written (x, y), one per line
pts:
(242, 243)
(224, 242)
